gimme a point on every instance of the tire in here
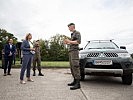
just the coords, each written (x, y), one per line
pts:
(127, 79)
(82, 74)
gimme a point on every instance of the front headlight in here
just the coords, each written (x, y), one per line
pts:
(124, 55)
(82, 56)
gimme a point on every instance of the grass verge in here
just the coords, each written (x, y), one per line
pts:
(47, 64)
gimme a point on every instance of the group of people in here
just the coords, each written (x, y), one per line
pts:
(31, 54)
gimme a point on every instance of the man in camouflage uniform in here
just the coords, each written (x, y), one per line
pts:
(74, 56)
(37, 59)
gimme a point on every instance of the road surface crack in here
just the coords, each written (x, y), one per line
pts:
(83, 94)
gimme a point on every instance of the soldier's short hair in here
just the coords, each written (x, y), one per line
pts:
(71, 24)
(37, 40)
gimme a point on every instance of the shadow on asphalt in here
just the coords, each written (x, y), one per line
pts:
(102, 80)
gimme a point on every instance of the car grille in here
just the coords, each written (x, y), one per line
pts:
(93, 55)
(105, 54)
(111, 54)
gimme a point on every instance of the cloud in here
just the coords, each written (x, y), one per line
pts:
(95, 19)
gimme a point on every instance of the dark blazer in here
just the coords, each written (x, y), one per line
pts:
(25, 47)
(7, 50)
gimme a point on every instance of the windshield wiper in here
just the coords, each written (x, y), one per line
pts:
(95, 48)
(108, 48)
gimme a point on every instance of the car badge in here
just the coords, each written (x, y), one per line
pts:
(101, 55)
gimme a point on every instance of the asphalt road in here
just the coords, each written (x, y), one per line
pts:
(53, 86)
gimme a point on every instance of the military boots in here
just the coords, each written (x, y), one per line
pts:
(76, 86)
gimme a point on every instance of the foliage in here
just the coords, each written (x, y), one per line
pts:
(132, 55)
(54, 49)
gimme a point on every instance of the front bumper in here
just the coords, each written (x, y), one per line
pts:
(109, 72)
(120, 66)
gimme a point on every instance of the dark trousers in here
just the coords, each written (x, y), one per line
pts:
(14, 60)
(8, 64)
(26, 64)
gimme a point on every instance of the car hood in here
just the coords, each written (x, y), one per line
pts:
(103, 50)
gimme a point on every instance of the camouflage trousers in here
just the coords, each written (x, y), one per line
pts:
(74, 64)
(36, 61)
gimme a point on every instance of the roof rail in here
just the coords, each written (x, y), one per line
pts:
(101, 40)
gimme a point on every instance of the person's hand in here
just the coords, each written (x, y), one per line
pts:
(32, 49)
(10, 54)
(66, 41)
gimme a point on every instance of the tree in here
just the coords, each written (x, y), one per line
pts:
(44, 49)
(58, 50)
(132, 55)
(54, 49)
(4, 36)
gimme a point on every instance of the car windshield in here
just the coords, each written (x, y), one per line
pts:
(101, 45)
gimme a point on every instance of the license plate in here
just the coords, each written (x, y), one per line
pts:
(102, 62)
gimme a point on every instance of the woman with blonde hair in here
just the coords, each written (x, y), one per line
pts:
(28, 52)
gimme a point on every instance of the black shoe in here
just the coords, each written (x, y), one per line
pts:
(40, 74)
(72, 84)
(4, 74)
(34, 73)
(76, 86)
(9, 74)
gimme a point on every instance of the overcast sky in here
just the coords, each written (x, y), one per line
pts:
(95, 19)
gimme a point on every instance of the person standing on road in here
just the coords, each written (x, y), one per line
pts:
(14, 59)
(74, 56)
(28, 52)
(37, 59)
(9, 53)
(3, 61)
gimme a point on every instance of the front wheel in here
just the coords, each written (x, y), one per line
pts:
(127, 79)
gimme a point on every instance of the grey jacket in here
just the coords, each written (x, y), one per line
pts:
(25, 47)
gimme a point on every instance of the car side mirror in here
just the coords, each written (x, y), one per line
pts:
(122, 47)
(80, 49)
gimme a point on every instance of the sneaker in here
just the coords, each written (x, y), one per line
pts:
(30, 80)
(22, 82)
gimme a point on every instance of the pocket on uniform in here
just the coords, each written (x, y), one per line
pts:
(75, 62)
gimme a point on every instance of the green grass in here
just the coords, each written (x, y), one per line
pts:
(55, 63)
(50, 64)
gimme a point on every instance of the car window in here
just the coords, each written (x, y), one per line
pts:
(101, 45)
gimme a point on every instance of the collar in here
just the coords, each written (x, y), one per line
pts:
(74, 31)
(10, 44)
